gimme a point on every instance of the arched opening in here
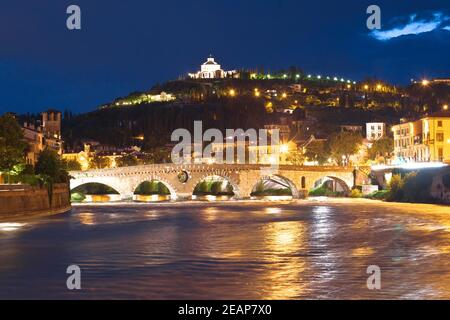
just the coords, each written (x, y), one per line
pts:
(213, 188)
(274, 188)
(330, 187)
(152, 191)
(94, 192)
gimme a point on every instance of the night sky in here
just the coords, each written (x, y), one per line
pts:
(127, 46)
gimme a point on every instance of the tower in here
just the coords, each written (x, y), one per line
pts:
(51, 123)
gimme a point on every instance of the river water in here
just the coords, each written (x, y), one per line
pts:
(231, 250)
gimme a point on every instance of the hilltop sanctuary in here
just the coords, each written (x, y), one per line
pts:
(211, 70)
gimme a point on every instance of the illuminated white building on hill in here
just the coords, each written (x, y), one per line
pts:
(211, 70)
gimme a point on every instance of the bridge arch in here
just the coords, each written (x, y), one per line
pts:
(281, 180)
(337, 184)
(172, 190)
(96, 191)
(219, 176)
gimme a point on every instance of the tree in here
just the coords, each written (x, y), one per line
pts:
(98, 162)
(127, 161)
(295, 158)
(49, 167)
(12, 144)
(381, 148)
(317, 151)
(344, 144)
(71, 165)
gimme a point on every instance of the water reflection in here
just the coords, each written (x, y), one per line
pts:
(210, 197)
(284, 277)
(11, 226)
(102, 198)
(86, 218)
(151, 198)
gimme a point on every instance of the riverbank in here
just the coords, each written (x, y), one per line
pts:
(23, 202)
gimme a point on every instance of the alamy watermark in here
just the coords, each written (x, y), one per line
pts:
(374, 280)
(73, 21)
(374, 20)
(74, 280)
(237, 147)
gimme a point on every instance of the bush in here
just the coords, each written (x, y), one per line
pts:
(396, 188)
(416, 187)
(324, 192)
(378, 195)
(355, 193)
(77, 197)
(412, 187)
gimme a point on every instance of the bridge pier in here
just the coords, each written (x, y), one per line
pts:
(182, 196)
(126, 196)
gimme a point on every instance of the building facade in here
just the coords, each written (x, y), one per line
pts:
(44, 134)
(375, 130)
(425, 140)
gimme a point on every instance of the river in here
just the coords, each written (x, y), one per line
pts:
(306, 249)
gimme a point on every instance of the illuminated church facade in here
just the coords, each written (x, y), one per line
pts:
(212, 70)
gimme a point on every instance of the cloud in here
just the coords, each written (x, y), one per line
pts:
(413, 27)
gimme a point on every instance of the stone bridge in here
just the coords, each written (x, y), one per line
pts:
(182, 179)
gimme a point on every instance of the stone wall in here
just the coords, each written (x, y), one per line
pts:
(22, 201)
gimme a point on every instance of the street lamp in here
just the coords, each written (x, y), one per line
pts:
(425, 82)
(445, 107)
(284, 148)
(232, 92)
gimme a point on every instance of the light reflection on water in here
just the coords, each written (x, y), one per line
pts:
(252, 250)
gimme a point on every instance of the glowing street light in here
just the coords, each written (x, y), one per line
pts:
(445, 107)
(232, 92)
(425, 82)
(284, 148)
(284, 95)
(379, 87)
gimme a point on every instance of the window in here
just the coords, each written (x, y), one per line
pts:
(440, 123)
(303, 183)
(441, 154)
(440, 137)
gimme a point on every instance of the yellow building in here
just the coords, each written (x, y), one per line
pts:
(426, 140)
(436, 136)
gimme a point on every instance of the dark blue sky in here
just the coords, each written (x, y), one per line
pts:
(126, 46)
